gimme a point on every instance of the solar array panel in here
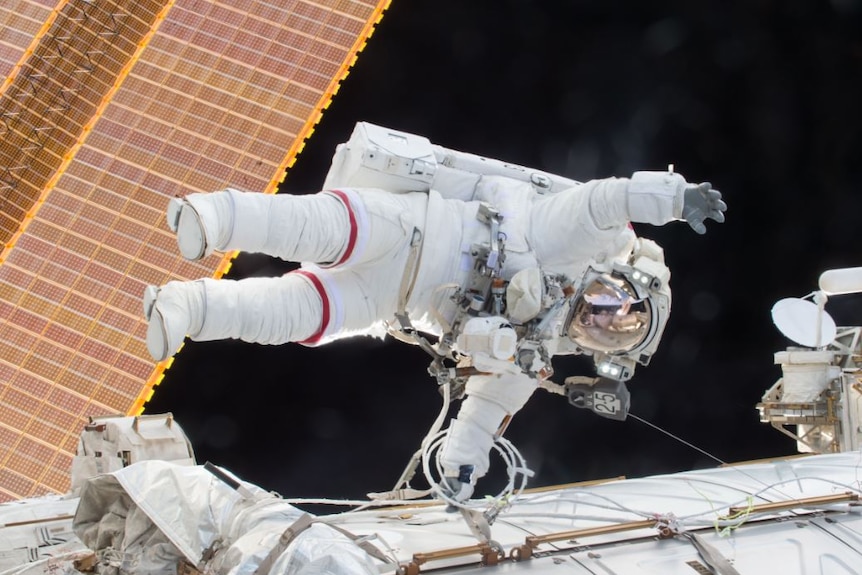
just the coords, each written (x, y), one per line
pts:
(112, 107)
(20, 23)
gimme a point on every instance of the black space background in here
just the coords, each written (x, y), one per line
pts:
(762, 98)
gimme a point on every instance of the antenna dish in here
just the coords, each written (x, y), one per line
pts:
(798, 320)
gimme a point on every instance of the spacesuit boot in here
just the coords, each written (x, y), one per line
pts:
(267, 310)
(202, 222)
(173, 311)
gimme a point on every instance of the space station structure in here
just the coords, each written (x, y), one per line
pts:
(171, 517)
(36, 534)
(109, 443)
(818, 400)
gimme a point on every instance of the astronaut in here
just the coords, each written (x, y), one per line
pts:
(504, 266)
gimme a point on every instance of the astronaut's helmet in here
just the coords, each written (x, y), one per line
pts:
(608, 317)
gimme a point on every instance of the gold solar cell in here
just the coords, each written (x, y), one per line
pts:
(17, 37)
(56, 354)
(20, 401)
(48, 291)
(32, 384)
(8, 436)
(86, 368)
(139, 228)
(59, 274)
(217, 170)
(33, 259)
(98, 215)
(69, 203)
(71, 402)
(15, 475)
(78, 245)
(39, 427)
(100, 352)
(28, 321)
(229, 84)
(74, 382)
(42, 367)
(197, 181)
(94, 288)
(132, 101)
(163, 240)
(89, 229)
(107, 335)
(275, 137)
(23, 9)
(9, 54)
(51, 423)
(134, 366)
(12, 483)
(18, 277)
(139, 276)
(27, 262)
(11, 296)
(80, 304)
(116, 385)
(21, 464)
(118, 321)
(109, 396)
(52, 474)
(104, 274)
(7, 371)
(15, 419)
(122, 243)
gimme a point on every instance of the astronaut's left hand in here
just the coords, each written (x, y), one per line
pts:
(701, 201)
(491, 342)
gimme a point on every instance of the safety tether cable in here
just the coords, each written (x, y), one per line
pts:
(711, 456)
(672, 436)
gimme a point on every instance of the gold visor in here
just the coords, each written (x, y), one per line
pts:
(608, 317)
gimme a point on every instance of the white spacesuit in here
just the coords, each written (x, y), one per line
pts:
(503, 268)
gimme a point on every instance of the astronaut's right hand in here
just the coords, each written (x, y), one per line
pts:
(457, 488)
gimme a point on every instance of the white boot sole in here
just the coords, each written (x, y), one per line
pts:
(184, 220)
(191, 237)
(157, 337)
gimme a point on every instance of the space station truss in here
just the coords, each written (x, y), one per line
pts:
(108, 109)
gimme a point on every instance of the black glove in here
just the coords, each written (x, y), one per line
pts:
(701, 201)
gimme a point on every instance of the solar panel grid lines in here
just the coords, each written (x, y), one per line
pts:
(35, 307)
(47, 103)
(39, 360)
(54, 49)
(22, 23)
(193, 112)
